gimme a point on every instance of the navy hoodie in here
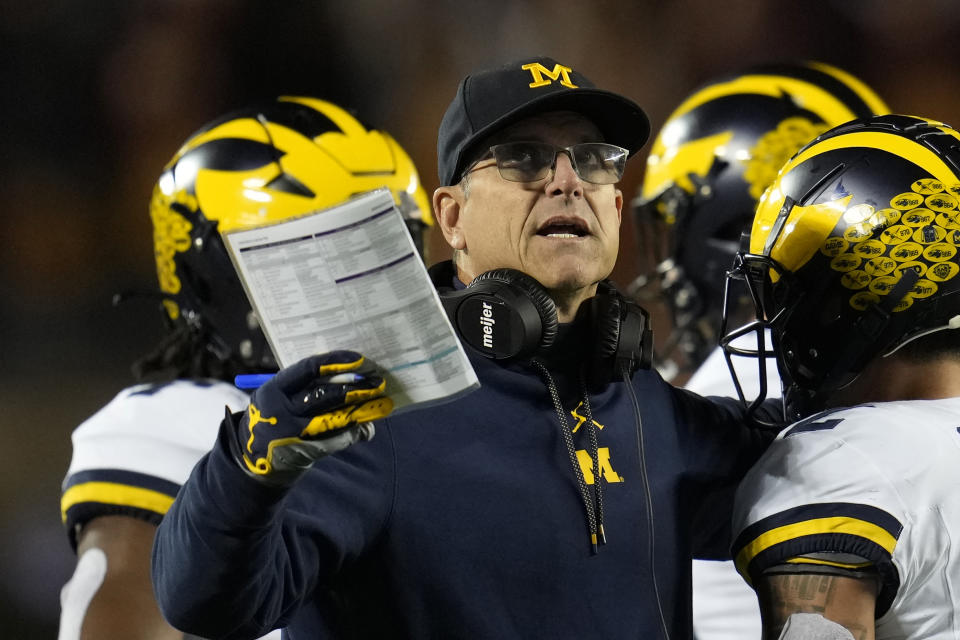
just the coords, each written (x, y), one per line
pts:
(465, 519)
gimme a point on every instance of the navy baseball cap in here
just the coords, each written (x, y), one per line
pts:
(489, 100)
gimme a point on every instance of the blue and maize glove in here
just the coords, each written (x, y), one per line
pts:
(321, 404)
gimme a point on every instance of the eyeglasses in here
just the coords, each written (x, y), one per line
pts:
(595, 162)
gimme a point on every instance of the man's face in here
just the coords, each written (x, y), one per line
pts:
(561, 230)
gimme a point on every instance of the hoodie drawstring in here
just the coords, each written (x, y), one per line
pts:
(593, 505)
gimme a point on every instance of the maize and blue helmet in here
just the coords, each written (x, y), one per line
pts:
(710, 163)
(254, 166)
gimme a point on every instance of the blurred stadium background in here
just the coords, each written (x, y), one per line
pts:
(97, 95)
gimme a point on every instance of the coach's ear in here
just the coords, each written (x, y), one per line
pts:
(447, 203)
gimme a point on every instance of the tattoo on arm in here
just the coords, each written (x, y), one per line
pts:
(847, 601)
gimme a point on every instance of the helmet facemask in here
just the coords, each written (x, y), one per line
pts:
(751, 339)
(683, 261)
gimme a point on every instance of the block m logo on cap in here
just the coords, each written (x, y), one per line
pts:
(543, 76)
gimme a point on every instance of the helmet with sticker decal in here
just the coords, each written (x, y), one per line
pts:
(253, 166)
(708, 166)
(854, 251)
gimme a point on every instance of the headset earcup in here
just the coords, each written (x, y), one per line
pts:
(636, 337)
(529, 297)
(606, 314)
(622, 335)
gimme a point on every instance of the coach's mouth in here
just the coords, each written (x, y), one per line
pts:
(564, 228)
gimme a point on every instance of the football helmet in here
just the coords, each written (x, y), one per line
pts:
(708, 166)
(255, 166)
(853, 253)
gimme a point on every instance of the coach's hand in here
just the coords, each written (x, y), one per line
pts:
(320, 405)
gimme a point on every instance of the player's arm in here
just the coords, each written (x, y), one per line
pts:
(110, 594)
(847, 601)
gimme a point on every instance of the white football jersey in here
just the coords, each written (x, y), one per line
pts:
(131, 457)
(724, 606)
(877, 482)
(135, 452)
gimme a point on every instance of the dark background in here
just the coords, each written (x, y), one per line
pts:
(98, 94)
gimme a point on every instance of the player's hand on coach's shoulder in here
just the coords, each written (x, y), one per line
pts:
(320, 405)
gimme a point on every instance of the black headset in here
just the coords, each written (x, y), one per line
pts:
(506, 314)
